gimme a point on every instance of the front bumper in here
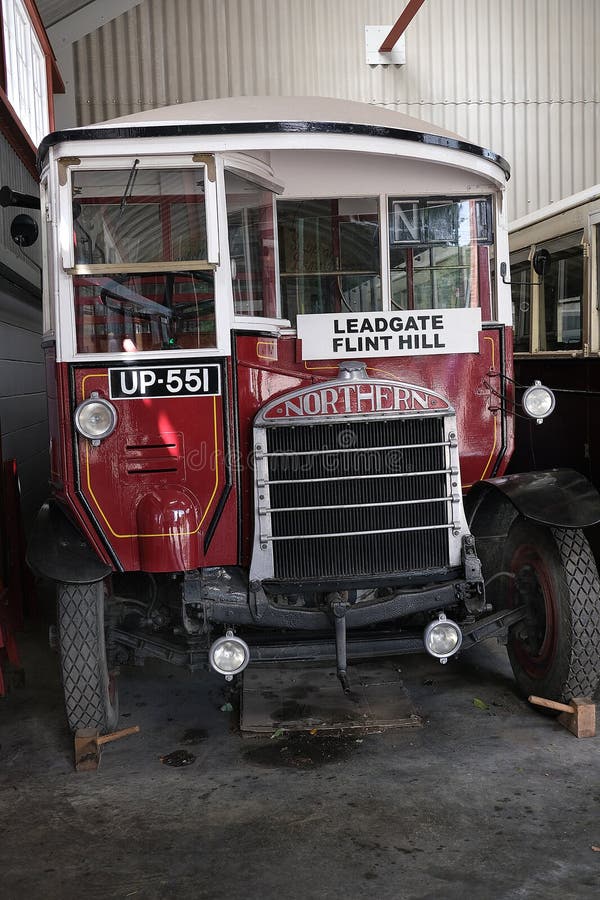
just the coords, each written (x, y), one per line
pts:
(192, 652)
(250, 605)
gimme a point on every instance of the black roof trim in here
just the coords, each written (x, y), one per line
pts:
(134, 132)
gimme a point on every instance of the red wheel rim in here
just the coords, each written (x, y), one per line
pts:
(112, 688)
(531, 586)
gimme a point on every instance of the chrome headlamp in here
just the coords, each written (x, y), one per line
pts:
(442, 638)
(95, 418)
(229, 655)
(538, 401)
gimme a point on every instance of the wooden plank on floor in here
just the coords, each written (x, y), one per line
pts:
(304, 696)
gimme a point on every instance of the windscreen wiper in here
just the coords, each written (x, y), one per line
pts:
(129, 186)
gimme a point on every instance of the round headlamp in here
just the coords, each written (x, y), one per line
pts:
(95, 418)
(442, 638)
(229, 655)
(538, 401)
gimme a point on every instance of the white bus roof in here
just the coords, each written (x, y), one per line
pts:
(279, 115)
(278, 109)
(555, 209)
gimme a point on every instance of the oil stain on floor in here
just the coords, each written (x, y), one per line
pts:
(303, 751)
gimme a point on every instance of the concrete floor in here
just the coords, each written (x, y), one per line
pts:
(482, 803)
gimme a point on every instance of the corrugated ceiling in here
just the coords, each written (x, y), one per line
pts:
(517, 76)
(52, 11)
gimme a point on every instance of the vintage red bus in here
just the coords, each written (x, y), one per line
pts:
(279, 358)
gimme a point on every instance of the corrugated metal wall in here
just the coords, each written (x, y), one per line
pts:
(25, 263)
(23, 416)
(519, 76)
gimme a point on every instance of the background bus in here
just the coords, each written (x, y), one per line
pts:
(556, 331)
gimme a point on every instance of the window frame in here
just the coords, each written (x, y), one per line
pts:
(237, 169)
(485, 281)
(421, 203)
(380, 200)
(67, 270)
(592, 313)
(13, 127)
(588, 333)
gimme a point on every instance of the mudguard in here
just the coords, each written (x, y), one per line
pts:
(57, 550)
(561, 498)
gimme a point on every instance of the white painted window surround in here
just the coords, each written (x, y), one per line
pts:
(26, 83)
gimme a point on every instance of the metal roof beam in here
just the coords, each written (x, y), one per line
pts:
(87, 19)
(410, 11)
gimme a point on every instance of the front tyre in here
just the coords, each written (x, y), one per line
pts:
(90, 690)
(555, 650)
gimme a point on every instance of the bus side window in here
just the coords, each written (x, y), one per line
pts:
(561, 295)
(520, 287)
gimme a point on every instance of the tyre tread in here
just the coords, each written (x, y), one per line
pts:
(82, 657)
(584, 588)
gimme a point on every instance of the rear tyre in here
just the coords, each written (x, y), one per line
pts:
(555, 651)
(91, 697)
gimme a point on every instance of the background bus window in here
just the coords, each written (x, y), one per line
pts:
(139, 216)
(561, 295)
(520, 288)
(329, 256)
(251, 227)
(439, 252)
(150, 311)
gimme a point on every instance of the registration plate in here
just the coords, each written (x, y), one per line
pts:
(165, 381)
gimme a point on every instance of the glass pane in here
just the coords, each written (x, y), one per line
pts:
(405, 222)
(423, 289)
(436, 250)
(520, 277)
(311, 294)
(145, 312)
(329, 256)
(139, 215)
(452, 287)
(561, 301)
(359, 245)
(25, 68)
(400, 289)
(250, 221)
(441, 222)
(306, 236)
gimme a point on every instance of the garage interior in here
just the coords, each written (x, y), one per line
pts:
(414, 778)
(485, 795)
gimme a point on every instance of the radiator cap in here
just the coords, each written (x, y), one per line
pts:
(352, 370)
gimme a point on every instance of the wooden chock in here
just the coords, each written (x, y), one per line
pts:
(578, 716)
(88, 744)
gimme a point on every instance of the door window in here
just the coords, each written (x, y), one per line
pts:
(251, 228)
(142, 278)
(561, 295)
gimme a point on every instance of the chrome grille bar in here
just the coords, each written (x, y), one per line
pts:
(262, 455)
(269, 509)
(265, 482)
(337, 534)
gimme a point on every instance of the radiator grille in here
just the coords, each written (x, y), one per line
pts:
(369, 497)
